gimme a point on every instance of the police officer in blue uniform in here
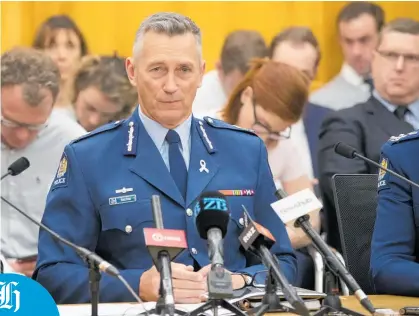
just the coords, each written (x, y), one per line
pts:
(395, 242)
(101, 196)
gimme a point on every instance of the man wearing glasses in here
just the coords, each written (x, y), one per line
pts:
(393, 109)
(29, 86)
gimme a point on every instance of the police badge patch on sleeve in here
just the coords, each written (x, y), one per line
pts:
(382, 174)
(61, 178)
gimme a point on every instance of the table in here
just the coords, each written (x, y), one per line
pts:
(379, 301)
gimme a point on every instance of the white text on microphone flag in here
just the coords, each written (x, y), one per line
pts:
(296, 205)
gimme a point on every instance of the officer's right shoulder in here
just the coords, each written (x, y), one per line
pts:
(400, 143)
(100, 130)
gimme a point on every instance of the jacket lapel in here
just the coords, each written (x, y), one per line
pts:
(388, 122)
(149, 164)
(202, 166)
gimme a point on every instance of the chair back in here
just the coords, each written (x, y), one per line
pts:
(356, 203)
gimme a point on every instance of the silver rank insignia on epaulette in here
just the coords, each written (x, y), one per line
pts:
(131, 144)
(210, 147)
(397, 138)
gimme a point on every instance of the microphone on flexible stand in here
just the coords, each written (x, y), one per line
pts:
(17, 167)
(350, 153)
(297, 207)
(92, 258)
(258, 239)
(164, 245)
(212, 221)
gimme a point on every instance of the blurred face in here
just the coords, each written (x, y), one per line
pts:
(21, 122)
(268, 126)
(229, 81)
(65, 50)
(395, 67)
(358, 39)
(167, 73)
(94, 109)
(302, 56)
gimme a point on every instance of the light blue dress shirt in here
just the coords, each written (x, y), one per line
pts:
(411, 117)
(158, 135)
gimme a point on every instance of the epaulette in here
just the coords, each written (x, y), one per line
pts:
(99, 130)
(403, 137)
(221, 124)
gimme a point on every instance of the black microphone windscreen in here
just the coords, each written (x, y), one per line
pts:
(345, 150)
(18, 166)
(212, 212)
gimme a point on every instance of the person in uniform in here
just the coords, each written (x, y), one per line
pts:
(395, 241)
(30, 83)
(101, 196)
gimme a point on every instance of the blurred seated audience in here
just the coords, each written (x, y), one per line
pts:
(238, 49)
(298, 47)
(359, 24)
(30, 83)
(269, 100)
(101, 92)
(62, 39)
(393, 109)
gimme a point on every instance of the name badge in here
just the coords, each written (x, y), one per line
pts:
(122, 199)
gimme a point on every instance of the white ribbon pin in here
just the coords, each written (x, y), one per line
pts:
(203, 166)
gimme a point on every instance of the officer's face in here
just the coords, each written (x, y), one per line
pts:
(395, 67)
(21, 122)
(94, 109)
(167, 72)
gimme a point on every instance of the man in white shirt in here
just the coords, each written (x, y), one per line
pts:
(238, 49)
(29, 87)
(359, 24)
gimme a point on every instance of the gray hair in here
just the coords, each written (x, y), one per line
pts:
(33, 70)
(170, 24)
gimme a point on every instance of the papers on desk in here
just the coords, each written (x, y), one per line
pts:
(311, 299)
(126, 309)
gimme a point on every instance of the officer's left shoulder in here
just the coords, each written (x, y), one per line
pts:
(223, 125)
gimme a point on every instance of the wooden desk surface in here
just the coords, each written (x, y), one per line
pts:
(379, 302)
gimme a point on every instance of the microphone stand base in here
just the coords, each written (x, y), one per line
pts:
(332, 306)
(161, 309)
(214, 304)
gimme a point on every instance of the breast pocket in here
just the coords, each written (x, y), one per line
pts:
(123, 225)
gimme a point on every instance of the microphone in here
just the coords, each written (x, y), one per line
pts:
(297, 207)
(259, 240)
(163, 244)
(17, 167)
(350, 153)
(22, 164)
(212, 222)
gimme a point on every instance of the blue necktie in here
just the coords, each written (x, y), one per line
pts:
(176, 162)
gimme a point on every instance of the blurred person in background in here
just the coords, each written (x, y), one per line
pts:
(238, 49)
(392, 109)
(63, 41)
(30, 83)
(359, 24)
(298, 47)
(101, 92)
(269, 100)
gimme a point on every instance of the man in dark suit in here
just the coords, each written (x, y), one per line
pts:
(392, 109)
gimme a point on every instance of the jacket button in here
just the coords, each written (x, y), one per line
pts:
(241, 221)
(189, 212)
(194, 251)
(128, 229)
